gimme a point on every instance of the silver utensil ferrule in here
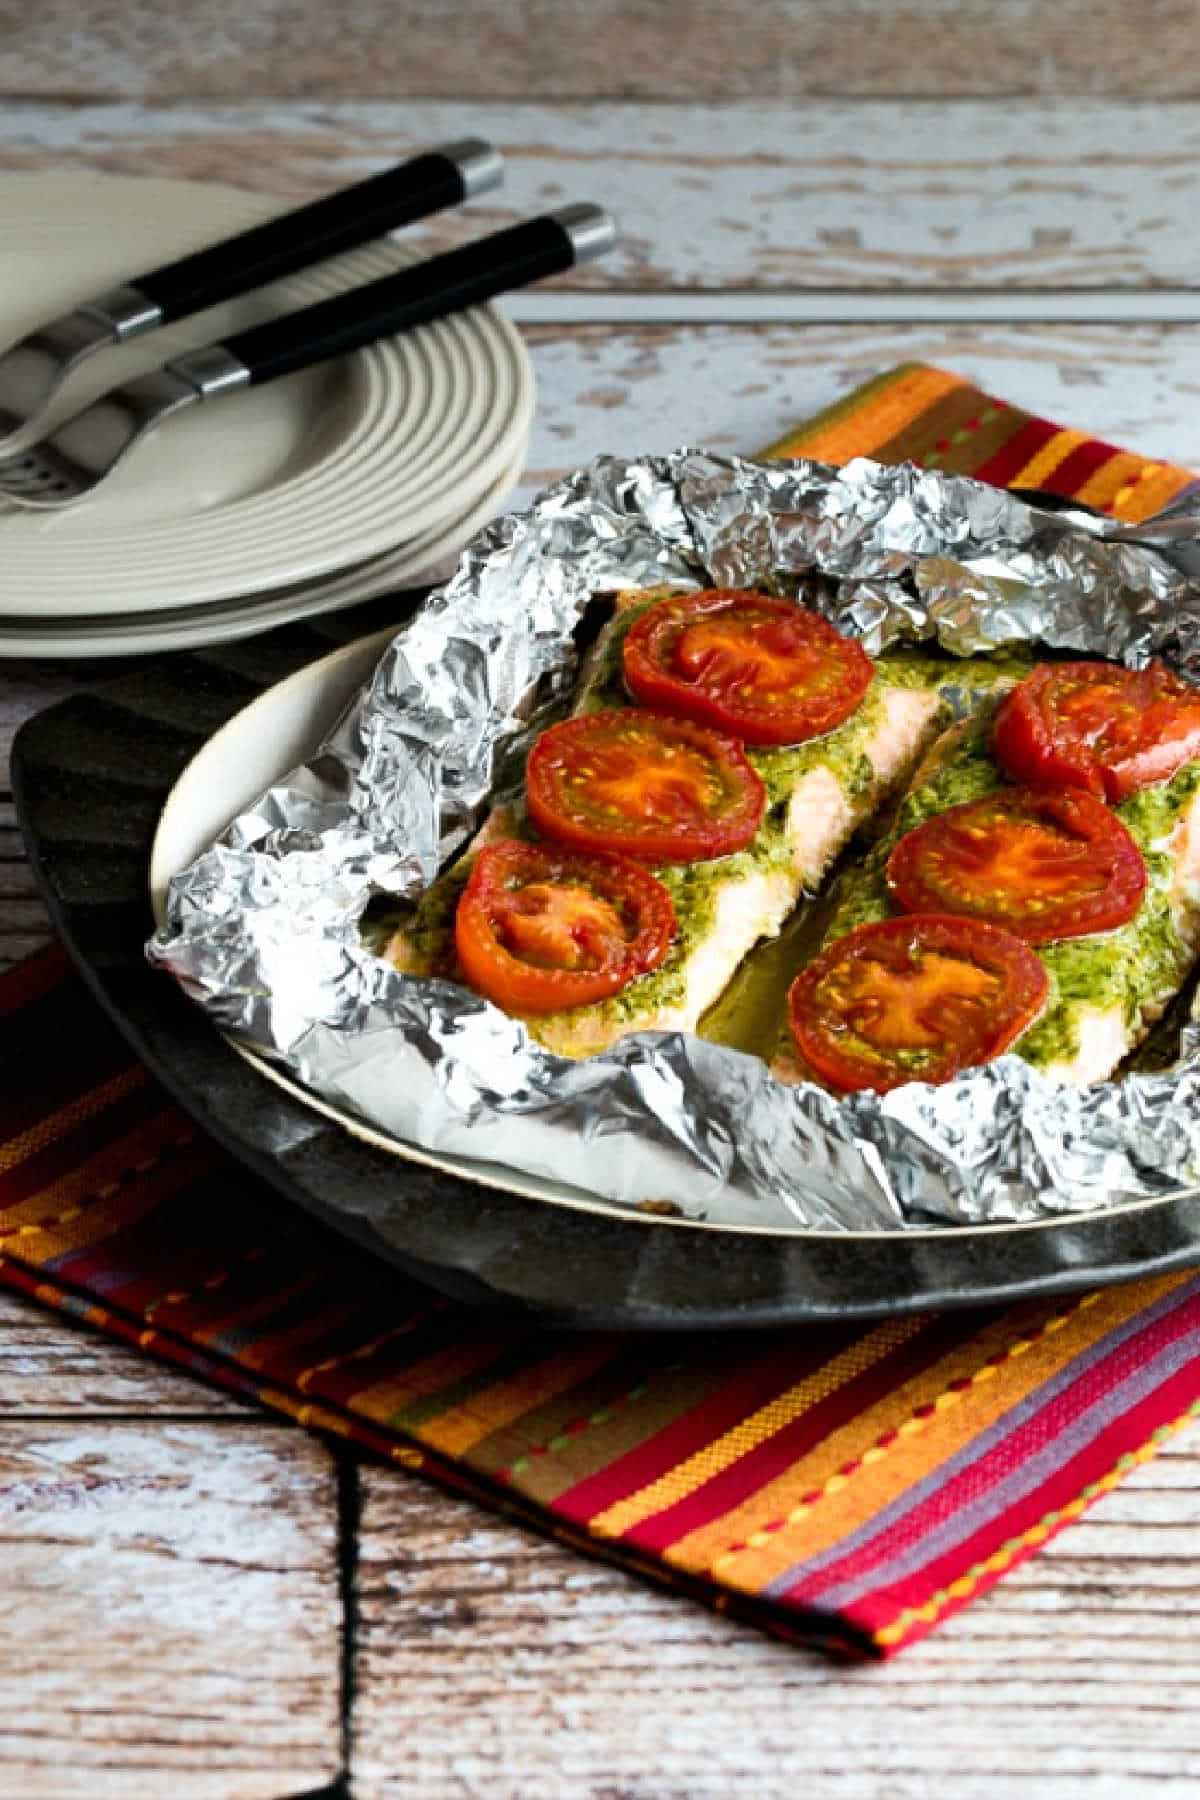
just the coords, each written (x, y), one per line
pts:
(125, 312)
(480, 165)
(212, 371)
(590, 229)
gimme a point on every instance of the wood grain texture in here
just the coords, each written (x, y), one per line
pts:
(862, 196)
(490, 1664)
(650, 388)
(580, 48)
(16, 878)
(170, 1619)
(169, 1612)
(21, 933)
(26, 688)
(51, 1366)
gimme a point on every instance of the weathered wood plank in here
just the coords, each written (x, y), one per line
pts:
(650, 388)
(15, 946)
(51, 1365)
(865, 196)
(492, 1663)
(16, 881)
(566, 48)
(23, 929)
(170, 1612)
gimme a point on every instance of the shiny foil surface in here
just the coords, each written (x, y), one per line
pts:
(263, 930)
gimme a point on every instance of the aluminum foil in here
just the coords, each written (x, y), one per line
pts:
(263, 930)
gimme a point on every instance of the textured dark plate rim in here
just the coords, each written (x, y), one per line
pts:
(476, 1242)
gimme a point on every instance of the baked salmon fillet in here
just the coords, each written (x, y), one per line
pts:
(818, 794)
(1106, 990)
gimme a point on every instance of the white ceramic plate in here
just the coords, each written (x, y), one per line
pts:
(189, 628)
(314, 473)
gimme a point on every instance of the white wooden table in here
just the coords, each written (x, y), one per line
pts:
(199, 1602)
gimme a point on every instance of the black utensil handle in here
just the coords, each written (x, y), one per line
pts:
(445, 284)
(355, 215)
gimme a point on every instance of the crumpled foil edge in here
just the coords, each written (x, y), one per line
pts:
(263, 929)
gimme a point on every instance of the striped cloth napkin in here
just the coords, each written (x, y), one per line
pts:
(847, 1486)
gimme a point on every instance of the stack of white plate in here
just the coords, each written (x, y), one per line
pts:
(296, 498)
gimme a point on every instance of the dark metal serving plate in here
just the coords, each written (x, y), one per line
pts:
(91, 776)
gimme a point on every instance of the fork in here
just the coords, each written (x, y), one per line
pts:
(68, 464)
(33, 370)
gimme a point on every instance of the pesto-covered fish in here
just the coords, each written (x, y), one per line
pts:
(816, 795)
(1107, 988)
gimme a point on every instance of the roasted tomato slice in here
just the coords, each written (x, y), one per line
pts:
(765, 670)
(918, 998)
(538, 928)
(1044, 864)
(1096, 726)
(663, 790)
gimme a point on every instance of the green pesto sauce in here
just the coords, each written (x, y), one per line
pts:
(694, 887)
(842, 751)
(969, 774)
(1137, 966)
(428, 926)
(931, 667)
(860, 895)
(1140, 965)
(750, 1014)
